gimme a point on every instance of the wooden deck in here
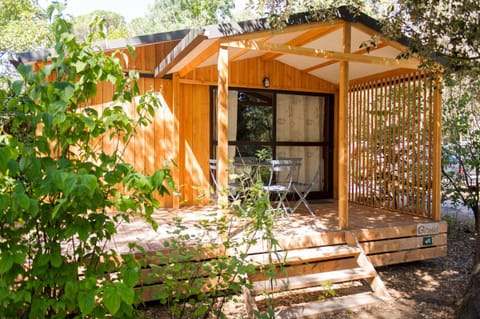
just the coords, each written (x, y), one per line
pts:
(387, 237)
(312, 250)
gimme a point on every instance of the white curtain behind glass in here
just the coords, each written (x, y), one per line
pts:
(232, 120)
(301, 118)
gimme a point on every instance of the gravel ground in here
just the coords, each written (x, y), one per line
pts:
(426, 289)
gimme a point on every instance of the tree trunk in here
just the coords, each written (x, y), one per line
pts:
(470, 305)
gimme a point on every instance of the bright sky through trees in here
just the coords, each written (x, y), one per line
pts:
(127, 8)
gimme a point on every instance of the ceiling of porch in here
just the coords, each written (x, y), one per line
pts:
(315, 48)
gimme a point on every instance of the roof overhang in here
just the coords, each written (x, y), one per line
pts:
(305, 43)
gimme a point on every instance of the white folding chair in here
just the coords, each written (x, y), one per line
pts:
(280, 182)
(234, 189)
(302, 190)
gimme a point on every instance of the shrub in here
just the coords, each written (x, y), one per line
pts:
(60, 195)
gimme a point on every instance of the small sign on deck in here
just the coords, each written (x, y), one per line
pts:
(427, 241)
(428, 229)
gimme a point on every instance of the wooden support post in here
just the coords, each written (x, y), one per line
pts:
(437, 148)
(222, 124)
(343, 134)
(176, 140)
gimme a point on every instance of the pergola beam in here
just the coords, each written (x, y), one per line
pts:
(235, 56)
(202, 57)
(362, 51)
(325, 54)
(305, 38)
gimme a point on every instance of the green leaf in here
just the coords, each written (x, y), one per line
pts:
(80, 66)
(158, 177)
(6, 153)
(86, 302)
(56, 260)
(17, 87)
(90, 181)
(20, 199)
(131, 276)
(112, 300)
(6, 263)
(57, 106)
(42, 260)
(127, 294)
(34, 207)
(4, 202)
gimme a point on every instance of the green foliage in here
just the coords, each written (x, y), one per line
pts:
(461, 152)
(167, 15)
(457, 226)
(114, 25)
(205, 266)
(59, 192)
(23, 26)
(446, 29)
(328, 291)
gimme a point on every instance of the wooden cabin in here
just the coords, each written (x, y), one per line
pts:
(369, 121)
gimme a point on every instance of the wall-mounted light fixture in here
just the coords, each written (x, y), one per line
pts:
(266, 82)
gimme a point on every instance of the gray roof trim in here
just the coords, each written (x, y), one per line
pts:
(43, 54)
(346, 13)
(144, 39)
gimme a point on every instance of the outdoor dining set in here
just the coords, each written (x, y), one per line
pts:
(278, 177)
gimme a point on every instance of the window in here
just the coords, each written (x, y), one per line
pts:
(285, 125)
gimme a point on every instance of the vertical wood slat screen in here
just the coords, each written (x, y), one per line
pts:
(390, 143)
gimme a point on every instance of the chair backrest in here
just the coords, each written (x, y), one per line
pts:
(298, 164)
(281, 172)
(213, 170)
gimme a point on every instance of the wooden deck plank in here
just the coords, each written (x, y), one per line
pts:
(304, 269)
(314, 309)
(375, 247)
(304, 255)
(407, 256)
(312, 280)
(392, 232)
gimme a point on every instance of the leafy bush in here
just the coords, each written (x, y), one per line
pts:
(205, 266)
(61, 195)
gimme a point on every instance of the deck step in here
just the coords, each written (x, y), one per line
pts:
(316, 308)
(312, 280)
(299, 256)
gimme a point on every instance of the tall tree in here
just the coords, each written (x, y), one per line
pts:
(166, 15)
(114, 25)
(23, 26)
(450, 31)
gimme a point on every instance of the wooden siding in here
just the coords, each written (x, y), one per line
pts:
(146, 57)
(249, 73)
(391, 143)
(151, 148)
(194, 144)
(158, 145)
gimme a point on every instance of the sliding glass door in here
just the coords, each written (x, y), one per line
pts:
(282, 125)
